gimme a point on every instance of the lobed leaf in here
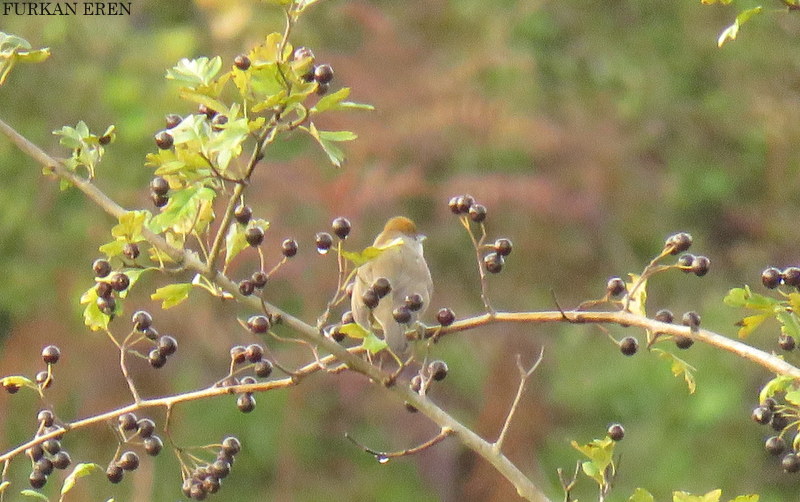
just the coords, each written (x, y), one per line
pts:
(641, 495)
(680, 367)
(171, 294)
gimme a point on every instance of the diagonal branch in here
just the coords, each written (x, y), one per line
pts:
(523, 379)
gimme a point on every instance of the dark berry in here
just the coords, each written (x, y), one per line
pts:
(258, 324)
(679, 243)
(402, 314)
(45, 417)
(778, 421)
(231, 446)
(683, 342)
(146, 427)
(762, 415)
(104, 290)
(259, 279)
(203, 109)
(790, 462)
(35, 452)
(341, 227)
(254, 236)
(302, 53)
(616, 432)
(164, 140)
(131, 250)
(114, 473)
(337, 334)
(664, 316)
(101, 267)
(37, 479)
(477, 213)
(120, 282)
(771, 278)
(416, 383)
(246, 402)
(153, 445)
(770, 403)
(167, 345)
(220, 468)
(323, 74)
(128, 461)
(172, 120)
(686, 261)
(151, 334)
(791, 276)
(61, 460)
(445, 316)
(242, 62)
(493, 262)
(238, 354)
(211, 484)
(438, 370)
(464, 203)
(52, 446)
(218, 121)
(786, 342)
(370, 298)
(141, 320)
(629, 345)
(381, 286)
(503, 247)
(44, 379)
(106, 305)
(246, 287)
(51, 354)
(414, 302)
(127, 422)
(254, 352)
(347, 317)
(322, 89)
(453, 205)
(104, 140)
(700, 266)
(197, 492)
(615, 286)
(263, 368)
(775, 445)
(289, 248)
(691, 319)
(159, 200)
(156, 358)
(243, 214)
(324, 241)
(43, 465)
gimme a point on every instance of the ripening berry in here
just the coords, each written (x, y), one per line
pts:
(258, 324)
(503, 246)
(263, 368)
(153, 445)
(700, 266)
(51, 354)
(323, 74)
(145, 427)
(679, 242)
(127, 422)
(445, 316)
(370, 298)
(128, 461)
(616, 432)
(770, 403)
(35, 452)
(664, 316)
(691, 319)
(220, 468)
(775, 445)
(493, 262)
(416, 383)
(341, 227)
(322, 89)
(218, 121)
(243, 214)
(211, 484)
(242, 62)
(779, 421)
(477, 213)
(324, 241)
(791, 276)
(254, 236)
(104, 290)
(156, 358)
(402, 314)
(114, 473)
(464, 203)
(43, 465)
(761, 415)
(237, 354)
(790, 462)
(131, 250)
(629, 345)
(151, 334)
(61, 460)
(246, 402)
(159, 185)
(52, 446)
(11, 388)
(289, 248)
(164, 140)
(786, 342)
(615, 286)
(120, 282)
(196, 491)
(101, 268)
(381, 286)
(37, 479)
(414, 302)
(771, 278)
(167, 345)
(438, 370)
(686, 261)
(104, 140)
(43, 378)
(172, 120)
(45, 417)
(453, 205)
(248, 380)
(246, 287)
(254, 352)
(683, 342)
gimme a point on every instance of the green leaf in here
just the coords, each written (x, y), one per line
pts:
(80, 470)
(638, 301)
(335, 101)
(600, 453)
(680, 367)
(171, 295)
(373, 344)
(712, 496)
(369, 253)
(744, 298)
(641, 495)
(195, 72)
(113, 248)
(235, 242)
(746, 498)
(354, 330)
(327, 140)
(789, 322)
(731, 31)
(793, 397)
(92, 317)
(34, 494)
(188, 209)
(750, 323)
(14, 49)
(781, 383)
(130, 226)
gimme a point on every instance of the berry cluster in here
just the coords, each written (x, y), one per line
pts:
(132, 429)
(164, 345)
(249, 357)
(206, 479)
(321, 74)
(256, 281)
(772, 277)
(435, 371)
(780, 419)
(698, 265)
(47, 455)
(44, 379)
(466, 207)
(109, 285)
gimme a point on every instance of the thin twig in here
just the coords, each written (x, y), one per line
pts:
(384, 456)
(523, 379)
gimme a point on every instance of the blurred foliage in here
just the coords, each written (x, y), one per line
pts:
(591, 131)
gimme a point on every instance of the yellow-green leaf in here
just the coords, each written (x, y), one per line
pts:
(680, 367)
(354, 330)
(171, 295)
(712, 496)
(113, 248)
(34, 494)
(641, 495)
(746, 498)
(130, 226)
(92, 317)
(4, 485)
(731, 31)
(744, 298)
(80, 470)
(781, 383)
(17, 381)
(369, 253)
(750, 323)
(373, 344)
(637, 301)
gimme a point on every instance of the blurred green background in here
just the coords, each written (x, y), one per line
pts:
(591, 131)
